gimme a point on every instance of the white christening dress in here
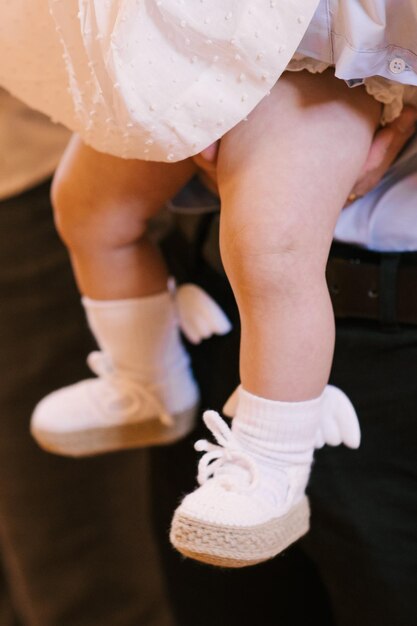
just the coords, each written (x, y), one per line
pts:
(148, 79)
(163, 79)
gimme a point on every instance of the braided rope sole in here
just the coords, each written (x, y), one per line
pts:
(238, 546)
(98, 440)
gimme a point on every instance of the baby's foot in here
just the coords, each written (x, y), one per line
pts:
(243, 512)
(251, 503)
(114, 412)
(132, 403)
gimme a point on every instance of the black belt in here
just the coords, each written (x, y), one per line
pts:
(374, 286)
(363, 285)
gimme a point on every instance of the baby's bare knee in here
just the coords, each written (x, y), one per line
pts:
(88, 220)
(271, 259)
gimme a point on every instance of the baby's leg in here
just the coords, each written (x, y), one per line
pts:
(284, 177)
(145, 392)
(102, 206)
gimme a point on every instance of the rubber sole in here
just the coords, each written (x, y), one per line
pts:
(238, 546)
(94, 441)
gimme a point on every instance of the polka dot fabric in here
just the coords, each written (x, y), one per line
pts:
(148, 79)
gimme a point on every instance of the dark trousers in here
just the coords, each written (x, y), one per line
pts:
(364, 526)
(76, 545)
(358, 564)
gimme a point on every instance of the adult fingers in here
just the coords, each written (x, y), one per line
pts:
(387, 144)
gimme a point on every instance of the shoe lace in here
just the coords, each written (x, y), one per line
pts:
(226, 461)
(119, 383)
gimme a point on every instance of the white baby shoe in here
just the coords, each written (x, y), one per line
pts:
(145, 393)
(241, 514)
(113, 412)
(247, 508)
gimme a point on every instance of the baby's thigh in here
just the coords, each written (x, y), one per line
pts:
(299, 153)
(90, 181)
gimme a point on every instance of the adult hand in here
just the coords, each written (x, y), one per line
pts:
(387, 144)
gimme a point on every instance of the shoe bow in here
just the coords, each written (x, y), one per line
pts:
(226, 461)
(121, 386)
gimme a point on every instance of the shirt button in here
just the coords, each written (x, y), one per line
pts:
(397, 65)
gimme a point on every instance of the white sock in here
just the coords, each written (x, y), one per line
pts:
(278, 435)
(141, 337)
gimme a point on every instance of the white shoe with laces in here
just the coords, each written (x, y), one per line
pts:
(145, 393)
(247, 509)
(113, 412)
(240, 515)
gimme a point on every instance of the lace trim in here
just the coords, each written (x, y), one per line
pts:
(391, 94)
